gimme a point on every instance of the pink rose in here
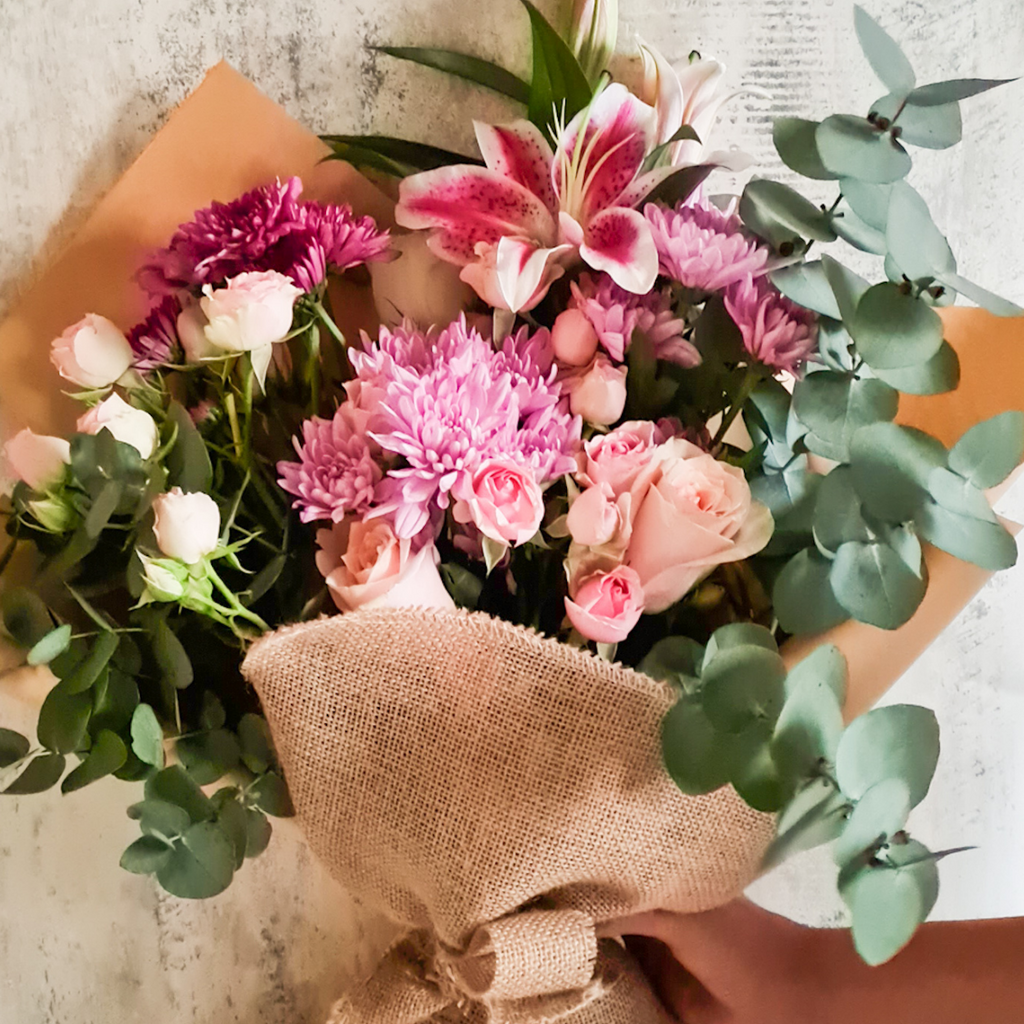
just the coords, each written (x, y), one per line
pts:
(503, 501)
(599, 394)
(38, 459)
(252, 311)
(573, 338)
(367, 566)
(615, 460)
(696, 515)
(128, 424)
(605, 606)
(93, 353)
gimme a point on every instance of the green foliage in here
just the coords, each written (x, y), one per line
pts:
(55, 643)
(106, 755)
(41, 773)
(989, 451)
(462, 65)
(893, 329)
(795, 142)
(779, 214)
(25, 616)
(147, 736)
(270, 795)
(188, 461)
(803, 597)
(883, 53)
(13, 747)
(397, 157)
(854, 147)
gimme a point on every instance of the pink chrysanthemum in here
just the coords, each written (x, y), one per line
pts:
(701, 247)
(469, 404)
(336, 472)
(269, 228)
(155, 340)
(775, 331)
(615, 314)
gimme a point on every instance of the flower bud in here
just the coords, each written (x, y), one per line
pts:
(573, 338)
(128, 424)
(187, 526)
(93, 353)
(252, 311)
(595, 29)
(38, 459)
(599, 395)
(53, 514)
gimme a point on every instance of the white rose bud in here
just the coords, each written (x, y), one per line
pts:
(38, 459)
(187, 526)
(252, 311)
(161, 583)
(127, 424)
(192, 334)
(93, 353)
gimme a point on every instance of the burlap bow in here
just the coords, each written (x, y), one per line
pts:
(533, 967)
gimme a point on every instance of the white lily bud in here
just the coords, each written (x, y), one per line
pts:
(595, 30)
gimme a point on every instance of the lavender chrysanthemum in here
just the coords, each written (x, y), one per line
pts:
(269, 228)
(336, 473)
(615, 314)
(775, 331)
(155, 339)
(701, 247)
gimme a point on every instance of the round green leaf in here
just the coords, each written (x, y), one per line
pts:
(25, 616)
(88, 670)
(870, 202)
(755, 775)
(783, 211)
(105, 756)
(147, 736)
(696, 754)
(874, 584)
(834, 406)
(916, 859)
(114, 704)
(738, 634)
(231, 818)
(837, 514)
(894, 329)
(803, 597)
(13, 747)
(146, 855)
(270, 794)
(258, 832)
(851, 147)
(990, 450)
(202, 864)
(938, 375)
(847, 287)
(157, 816)
(54, 643)
(886, 908)
(861, 235)
(257, 746)
(900, 741)
(212, 715)
(815, 815)
(913, 240)
(807, 285)
(954, 90)
(884, 55)
(64, 719)
(208, 756)
(986, 544)
(174, 785)
(795, 143)
(42, 773)
(880, 813)
(743, 685)
(937, 127)
(953, 492)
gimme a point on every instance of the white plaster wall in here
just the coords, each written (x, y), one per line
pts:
(83, 86)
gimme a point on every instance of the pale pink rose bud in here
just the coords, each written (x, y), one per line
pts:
(605, 606)
(252, 311)
(127, 424)
(187, 526)
(573, 338)
(593, 518)
(697, 515)
(367, 566)
(599, 395)
(192, 334)
(38, 459)
(503, 501)
(93, 353)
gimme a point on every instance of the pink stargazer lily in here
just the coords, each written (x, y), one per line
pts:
(514, 224)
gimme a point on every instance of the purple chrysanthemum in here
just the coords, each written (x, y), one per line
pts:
(269, 228)
(775, 331)
(615, 314)
(155, 340)
(336, 473)
(701, 247)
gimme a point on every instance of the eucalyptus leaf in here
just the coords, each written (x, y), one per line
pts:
(938, 375)
(894, 329)
(988, 545)
(696, 755)
(188, 461)
(916, 859)
(25, 616)
(741, 686)
(147, 736)
(870, 202)
(952, 91)
(159, 817)
(270, 794)
(257, 746)
(105, 756)
(858, 233)
(211, 714)
(835, 406)
(231, 818)
(899, 741)
(981, 296)
(114, 707)
(835, 347)
(847, 287)
(912, 238)
(795, 143)
(875, 585)
(174, 785)
(171, 657)
(760, 783)
(851, 147)
(146, 855)
(988, 452)
(803, 597)
(463, 585)
(737, 634)
(886, 908)
(811, 723)
(884, 55)
(55, 643)
(473, 69)
(202, 864)
(781, 212)
(937, 127)
(814, 816)
(13, 747)
(673, 659)
(953, 492)
(41, 774)
(807, 285)
(88, 670)
(880, 813)
(258, 831)
(64, 719)
(208, 756)
(837, 512)
(103, 507)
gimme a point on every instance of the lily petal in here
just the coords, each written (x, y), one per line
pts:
(664, 91)
(619, 242)
(525, 272)
(519, 151)
(615, 133)
(468, 205)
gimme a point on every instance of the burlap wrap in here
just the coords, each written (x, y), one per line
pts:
(500, 795)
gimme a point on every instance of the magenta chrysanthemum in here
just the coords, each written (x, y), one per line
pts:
(615, 314)
(269, 228)
(701, 247)
(467, 404)
(336, 473)
(775, 331)
(155, 340)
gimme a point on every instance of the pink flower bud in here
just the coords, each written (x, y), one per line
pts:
(606, 605)
(92, 353)
(573, 338)
(38, 459)
(599, 395)
(128, 424)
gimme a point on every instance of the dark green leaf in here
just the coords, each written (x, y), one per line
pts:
(231, 817)
(778, 213)
(884, 55)
(174, 785)
(679, 185)
(834, 406)
(42, 773)
(13, 747)
(264, 580)
(956, 89)
(900, 741)
(212, 715)
(894, 329)
(50, 646)
(803, 597)
(685, 132)
(981, 296)
(880, 813)
(270, 794)
(202, 864)
(258, 831)
(169, 653)
(989, 451)
(741, 686)
(105, 756)
(913, 240)
(146, 855)
(858, 233)
(936, 127)
(463, 585)
(64, 719)
(875, 585)
(796, 145)
(738, 634)
(473, 69)
(101, 620)
(814, 816)
(837, 511)
(988, 545)
(160, 817)
(851, 147)
(147, 736)
(103, 507)
(696, 756)
(938, 375)
(88, 670)
(188, 461)
(257, 746)
(558, 80)
(415, 156)
(25, 616)
(114, 706)
(807, 285)
(759, 782)
(208, 756)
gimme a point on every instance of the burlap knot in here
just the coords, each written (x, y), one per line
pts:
(534, 967)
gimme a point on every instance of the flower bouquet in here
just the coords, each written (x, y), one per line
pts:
(568, 512)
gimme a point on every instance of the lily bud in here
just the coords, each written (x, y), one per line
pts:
(595, 29)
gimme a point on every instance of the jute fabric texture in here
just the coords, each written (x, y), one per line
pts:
(499, 794)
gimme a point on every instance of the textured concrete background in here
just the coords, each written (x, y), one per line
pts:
(85, 84)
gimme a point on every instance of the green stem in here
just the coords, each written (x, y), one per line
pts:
(750, 381)
(328, 322)
(236, 432)
(236, 606)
